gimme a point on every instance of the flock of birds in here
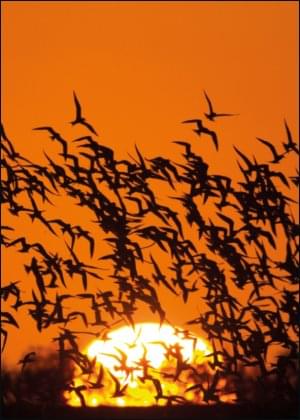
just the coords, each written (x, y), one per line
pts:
(236, 247)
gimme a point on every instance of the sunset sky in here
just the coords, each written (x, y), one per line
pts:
(139, 70)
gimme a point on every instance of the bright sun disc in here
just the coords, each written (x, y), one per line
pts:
(153, 337)
(144, 366)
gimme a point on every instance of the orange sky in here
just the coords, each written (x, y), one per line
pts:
(139, 69)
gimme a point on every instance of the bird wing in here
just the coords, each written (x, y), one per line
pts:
(90, 127)
(196, 120)
(46, 128)
(288, 131)
(244, 157)
(269, 145)
(213, 136)
(77, 108)
(225, 115)
(211, 111)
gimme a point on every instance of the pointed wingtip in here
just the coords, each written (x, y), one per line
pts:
(286, 126)
(75, 97)
(46, 155)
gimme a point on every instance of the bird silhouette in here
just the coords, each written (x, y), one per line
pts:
(160, 277)
(290, 145)
(276, 156)
(54, 135)
(79, 119)
(119, 389)
(212, 115)
(7, 146)
(75, 266)
(78, 391)
(240, 226)
(99, 382)
(11, 289)
(36, 213)
(200, 128)
(211, 392)
(188, 148)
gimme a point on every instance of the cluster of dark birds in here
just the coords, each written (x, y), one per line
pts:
(236, 249)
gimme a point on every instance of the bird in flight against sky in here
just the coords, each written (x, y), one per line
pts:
(201, 129)
(79, 119)
(54, 135)
(212, 115)
(277, 157)
(290, 145)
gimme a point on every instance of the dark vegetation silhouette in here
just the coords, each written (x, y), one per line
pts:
(232, 251)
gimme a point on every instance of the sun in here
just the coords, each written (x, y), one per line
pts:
(147, 365)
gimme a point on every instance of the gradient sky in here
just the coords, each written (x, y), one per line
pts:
(139, 69)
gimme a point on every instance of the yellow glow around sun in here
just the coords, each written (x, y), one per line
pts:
(145, 366)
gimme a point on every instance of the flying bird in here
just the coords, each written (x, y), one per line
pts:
(201, 129)
(78, 391)
(79, 119)
(212, 115)
(119, 390)
(54, 135)
(98, 384)
(9, 149)
(188, 153)
(36, 213)
(290, 145)
(277, 157)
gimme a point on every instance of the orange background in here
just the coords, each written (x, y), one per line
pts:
(139, 69)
